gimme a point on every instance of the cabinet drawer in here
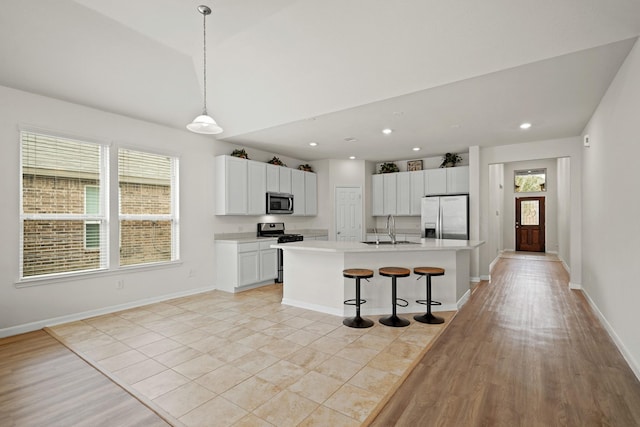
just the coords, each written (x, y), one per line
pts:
(267, 244)
(248, 247)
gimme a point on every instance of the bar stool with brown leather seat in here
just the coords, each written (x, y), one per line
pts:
(394, 273)
(428, 272)
(357, 321)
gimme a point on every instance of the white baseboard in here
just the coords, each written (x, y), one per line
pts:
(462, 301)
(475, 279)
(486, 277)
(633, 364)
(576, 286)
(34, 326)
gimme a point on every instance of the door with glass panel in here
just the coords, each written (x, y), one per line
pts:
(530, 224)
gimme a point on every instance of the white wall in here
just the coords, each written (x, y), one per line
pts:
(22, 308)
(496, 210)
(611, 230)
(29, 308)
(564, 210)
(509, 209)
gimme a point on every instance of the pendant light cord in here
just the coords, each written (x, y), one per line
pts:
(204, 32)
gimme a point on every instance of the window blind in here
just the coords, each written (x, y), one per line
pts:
(148, 207)
(56, 206)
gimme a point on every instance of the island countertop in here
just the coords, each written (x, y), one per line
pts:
(340, 246)
(313, 277)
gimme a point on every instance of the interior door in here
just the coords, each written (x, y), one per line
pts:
(530, 230)
(349, 214)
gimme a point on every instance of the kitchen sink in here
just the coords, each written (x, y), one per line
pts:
(398, 242)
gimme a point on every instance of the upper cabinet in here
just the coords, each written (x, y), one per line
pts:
(458, 180)
(231, 185)
(241, 187)
(400, 193)
(256, 188)
(435, 181)
(311, 193)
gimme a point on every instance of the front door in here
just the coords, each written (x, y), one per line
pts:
(530, 224)
(349, 214)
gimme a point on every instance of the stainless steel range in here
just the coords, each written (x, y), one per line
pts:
(276, 229)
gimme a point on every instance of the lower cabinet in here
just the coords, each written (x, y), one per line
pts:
(241, 266)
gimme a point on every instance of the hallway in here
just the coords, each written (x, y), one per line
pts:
(524, 351)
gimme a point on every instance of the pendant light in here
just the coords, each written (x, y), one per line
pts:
(204, 123)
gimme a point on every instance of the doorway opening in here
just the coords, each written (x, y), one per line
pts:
(530, 224)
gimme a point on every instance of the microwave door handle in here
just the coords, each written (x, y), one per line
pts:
(290, 199)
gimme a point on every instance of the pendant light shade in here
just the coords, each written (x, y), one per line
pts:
(204, 123)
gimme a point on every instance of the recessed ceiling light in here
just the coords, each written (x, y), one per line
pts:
(313, 144)
(525, 126)
(352, 157)
(416, 148)
(350, 139)
(387, 131)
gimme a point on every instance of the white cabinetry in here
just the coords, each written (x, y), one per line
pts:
(377, 195)
(389, 183)
(417, 192)
(285, 179)
(400, 193)
(248, 264)
(435, 181)
(268, 261)
(298, 191)
(242, 266)
(273, 178)
(458, 180)
(241, 186)
(403, 193)
(311, 193)
(231, 186)
(257, 189)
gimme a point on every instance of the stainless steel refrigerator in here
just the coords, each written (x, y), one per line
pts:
(445, 217)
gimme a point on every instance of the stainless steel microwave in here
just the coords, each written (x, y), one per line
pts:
(279, 203)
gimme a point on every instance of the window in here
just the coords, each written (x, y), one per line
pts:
(91, 207)
(55, 207)
(530, 181)
(148, 207)
(64, 215)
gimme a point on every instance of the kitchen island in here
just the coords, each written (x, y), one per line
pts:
(313, 274)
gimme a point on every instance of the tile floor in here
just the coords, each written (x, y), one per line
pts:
(247, 360)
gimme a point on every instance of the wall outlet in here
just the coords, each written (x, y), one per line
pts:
(586, 141)
(120, 284)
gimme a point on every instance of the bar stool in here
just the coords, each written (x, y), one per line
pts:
(428, 272)
(394, 273)
(357, 321)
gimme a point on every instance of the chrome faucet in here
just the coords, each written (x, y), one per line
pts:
(391, 228)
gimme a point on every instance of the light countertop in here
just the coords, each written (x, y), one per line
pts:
(424, 245)
(250, 237)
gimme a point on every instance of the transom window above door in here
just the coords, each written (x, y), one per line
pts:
(530, 180)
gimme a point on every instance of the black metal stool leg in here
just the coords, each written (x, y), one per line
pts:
(428, 317)
(394, 320)
(357, 321)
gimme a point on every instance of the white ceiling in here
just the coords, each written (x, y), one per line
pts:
(283, 73)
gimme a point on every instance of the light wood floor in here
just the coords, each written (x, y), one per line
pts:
(42, 383)
(525, 351)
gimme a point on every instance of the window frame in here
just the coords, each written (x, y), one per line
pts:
(530, 172)
(101, 217)
(173, 217)
(110, 235)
